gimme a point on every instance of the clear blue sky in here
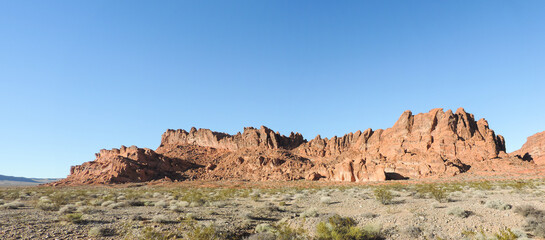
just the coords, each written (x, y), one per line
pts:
(79, 76)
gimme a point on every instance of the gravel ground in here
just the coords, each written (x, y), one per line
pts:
(465, 211)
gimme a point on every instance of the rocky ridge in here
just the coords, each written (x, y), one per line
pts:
(427, 145)
(533, 149)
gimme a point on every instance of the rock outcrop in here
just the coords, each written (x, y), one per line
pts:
(533, 149)
(430, 144)
(427, 145)
(250, 138)
(126, 164)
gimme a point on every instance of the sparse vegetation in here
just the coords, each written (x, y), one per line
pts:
(67, 209)
(505, 234)
(99, 231)
(107, 203)
(267, 212)
(414, 232)
(326, 200)
(76, 218)
(160, 219)
(456, 211)
(312, 212)
(383, 195)
(498, 204)
(13, 205)
(502, 234)
(156, 212)
(535, 219)
(343, 228)
(435, 191)
(46, 204)
(195, 231)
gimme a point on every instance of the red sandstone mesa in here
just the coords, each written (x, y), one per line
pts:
(427, 145)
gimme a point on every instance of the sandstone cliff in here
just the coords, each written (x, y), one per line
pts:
(533, 149)
(430, 144)
(427, 145)
(250, 138)
(124, 165)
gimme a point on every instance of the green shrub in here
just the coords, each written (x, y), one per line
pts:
(456, 211)
(438, 194)
(435, 191)
(505, 234)
(47, 206)
(101, 232)
(498, 204)
(343, 228)
(383, 195)
(161, 204)
(148, 233)
(107, 203)
(280, 231)
(197, 203)
(267, 212)
(175, 208)
(264, 227)
(60, 198)
(67, 209)
(262, 236)
(413, 232)
(135, 203)
(312, 212)
(160, 219)
(285, 232)
(76, 218)
(502, 234)
(13, 205)
(118, 205)
(326, 200)
(195, 231)
(518, 185)
(481, 185)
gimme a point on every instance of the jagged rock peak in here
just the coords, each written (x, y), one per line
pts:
(426, 145)
(122, 151)
(448, 135)
(249, 138)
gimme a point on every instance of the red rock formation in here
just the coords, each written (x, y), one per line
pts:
(124, 165)
(426, 145)
(250, 138)
(533, 149)
(436, 143)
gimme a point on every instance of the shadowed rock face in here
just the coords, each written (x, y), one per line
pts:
(533, 149)
(426, 145)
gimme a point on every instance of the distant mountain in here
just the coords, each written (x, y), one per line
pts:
(17, 181)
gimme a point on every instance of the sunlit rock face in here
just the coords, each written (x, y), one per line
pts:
(427, 145)
(533, 149)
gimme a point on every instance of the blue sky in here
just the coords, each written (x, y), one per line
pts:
(79, 76)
